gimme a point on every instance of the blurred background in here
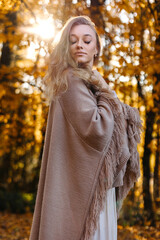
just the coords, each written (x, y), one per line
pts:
(130, 63)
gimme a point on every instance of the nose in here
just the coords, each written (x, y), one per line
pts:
(79, 44)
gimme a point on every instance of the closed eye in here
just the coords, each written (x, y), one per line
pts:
(87, 42)
(73, 42)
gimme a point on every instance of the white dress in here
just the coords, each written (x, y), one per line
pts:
(107, 225)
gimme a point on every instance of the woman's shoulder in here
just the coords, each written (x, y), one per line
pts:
(73, 80)
(70, 72)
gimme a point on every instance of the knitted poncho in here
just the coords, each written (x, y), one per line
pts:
(90, 146)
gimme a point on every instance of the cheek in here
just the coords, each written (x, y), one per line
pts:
(92, 50)
(71, 50)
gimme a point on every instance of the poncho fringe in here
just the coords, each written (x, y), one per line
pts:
(121, 112)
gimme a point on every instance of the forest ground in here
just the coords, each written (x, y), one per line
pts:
(17, 227)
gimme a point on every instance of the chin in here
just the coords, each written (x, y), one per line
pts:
(82, 61)
(82, 64)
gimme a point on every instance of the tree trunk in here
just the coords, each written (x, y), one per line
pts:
(96, 14)
(157, 170)
(66, 10)
(148, 209)
(5, 59)
(157, 107)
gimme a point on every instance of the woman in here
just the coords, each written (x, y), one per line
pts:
(90, 159)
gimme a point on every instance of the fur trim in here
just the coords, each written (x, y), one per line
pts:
(122, 113)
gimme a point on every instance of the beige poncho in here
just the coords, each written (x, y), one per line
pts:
(90, 146)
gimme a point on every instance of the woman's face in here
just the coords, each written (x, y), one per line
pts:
(83, 44)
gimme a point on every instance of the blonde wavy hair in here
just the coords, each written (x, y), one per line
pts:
(55, 81)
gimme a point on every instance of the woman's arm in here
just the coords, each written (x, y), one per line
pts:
(92, 120)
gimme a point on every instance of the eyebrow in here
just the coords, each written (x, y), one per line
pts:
(84, 35)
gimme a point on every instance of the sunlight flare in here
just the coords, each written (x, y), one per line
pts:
(44, 28)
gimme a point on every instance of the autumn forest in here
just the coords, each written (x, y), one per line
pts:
(130, 64)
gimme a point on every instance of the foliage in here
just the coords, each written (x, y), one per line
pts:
(23, 111)
(129, 62)
(16, 202)
(138, 233)
(17, 227)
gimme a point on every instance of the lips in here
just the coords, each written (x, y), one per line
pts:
(80, 53)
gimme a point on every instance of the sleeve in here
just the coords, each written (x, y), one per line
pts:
(92, 119)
